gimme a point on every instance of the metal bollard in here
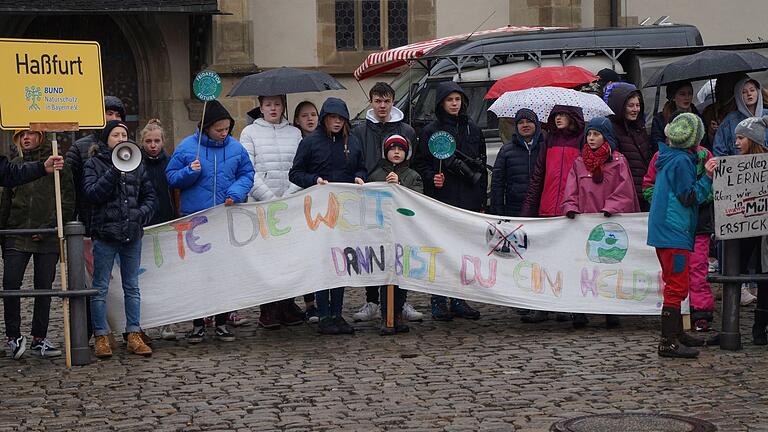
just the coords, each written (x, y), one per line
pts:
(74, 233)
(730, 337)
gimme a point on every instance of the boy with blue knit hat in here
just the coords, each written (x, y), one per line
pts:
(672, 225)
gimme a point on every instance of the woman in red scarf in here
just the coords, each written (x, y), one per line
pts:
(599, 182)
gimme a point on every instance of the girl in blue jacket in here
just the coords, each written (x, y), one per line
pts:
(223, 174)
(672, 225)
(330, 154)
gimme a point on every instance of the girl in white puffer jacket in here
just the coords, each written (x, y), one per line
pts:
(271, 143)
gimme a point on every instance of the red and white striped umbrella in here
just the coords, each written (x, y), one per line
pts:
(383, 61)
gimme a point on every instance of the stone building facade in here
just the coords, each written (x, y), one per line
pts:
(152, 49)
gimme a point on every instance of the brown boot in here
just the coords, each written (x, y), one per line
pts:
(268, 318)
(136, 345)
(102, 348)
(112, 341)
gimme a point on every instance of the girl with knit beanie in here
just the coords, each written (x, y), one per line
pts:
(677, 195)
(702, 301)
(599, 182)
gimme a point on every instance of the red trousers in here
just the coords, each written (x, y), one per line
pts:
(674, 273)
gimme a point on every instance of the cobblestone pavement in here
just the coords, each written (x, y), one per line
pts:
(495, 374)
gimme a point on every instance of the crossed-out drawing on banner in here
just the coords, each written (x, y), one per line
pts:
(229, 258)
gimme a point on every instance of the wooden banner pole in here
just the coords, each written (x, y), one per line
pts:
(62, 255)
(53, 127)
(390, 306)
(200, 136)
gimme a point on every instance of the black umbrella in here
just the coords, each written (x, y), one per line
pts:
(284, 80)
(708, 64)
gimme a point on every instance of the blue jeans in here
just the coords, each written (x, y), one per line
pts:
(329, 302)
(104, 254)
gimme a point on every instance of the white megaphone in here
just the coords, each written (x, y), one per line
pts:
(126, 156)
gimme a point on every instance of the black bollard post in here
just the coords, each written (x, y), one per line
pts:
(74, 233)
(730, 337)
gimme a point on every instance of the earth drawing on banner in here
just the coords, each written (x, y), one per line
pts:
(607, 243)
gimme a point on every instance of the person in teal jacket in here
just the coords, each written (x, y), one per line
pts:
(223, 174)
(672, 225)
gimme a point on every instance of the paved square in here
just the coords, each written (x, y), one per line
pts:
(495, 374)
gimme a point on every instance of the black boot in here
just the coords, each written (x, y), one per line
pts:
(289, 313)
(579, 320)
(685, 338)
(440, 311)
(461, 309)
(671, 327)
(612, 321)
(535, 317)
(401, 325)
(759, 334)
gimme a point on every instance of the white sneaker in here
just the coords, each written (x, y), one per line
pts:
(16, 347)
(44, 348)
(411, 314)
(714, 266)
(746, 296)
(166, 333)
(369, 312)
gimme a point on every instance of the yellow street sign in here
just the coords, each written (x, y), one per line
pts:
(50, 81)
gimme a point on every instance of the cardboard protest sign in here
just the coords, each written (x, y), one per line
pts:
(229, 258)
(46, 81)
(740, 188)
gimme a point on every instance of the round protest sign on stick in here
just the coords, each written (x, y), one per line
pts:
(442, 145)
(207, 87)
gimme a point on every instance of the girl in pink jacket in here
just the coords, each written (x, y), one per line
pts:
(599, 182)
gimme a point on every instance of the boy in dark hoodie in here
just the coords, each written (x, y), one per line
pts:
(463, 180)
(393, 168)
(677, 195)
(515, 164)
(330, 154)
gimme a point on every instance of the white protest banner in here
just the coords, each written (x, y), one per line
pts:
(229, 258)
(740, 188)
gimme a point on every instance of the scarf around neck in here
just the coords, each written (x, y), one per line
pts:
(594, 160)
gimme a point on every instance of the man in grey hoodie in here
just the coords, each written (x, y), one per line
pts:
(381, 121)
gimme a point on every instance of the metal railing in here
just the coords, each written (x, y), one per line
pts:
(74, 234)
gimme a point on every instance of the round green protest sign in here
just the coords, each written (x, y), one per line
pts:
(207, 85)
(442, 145)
